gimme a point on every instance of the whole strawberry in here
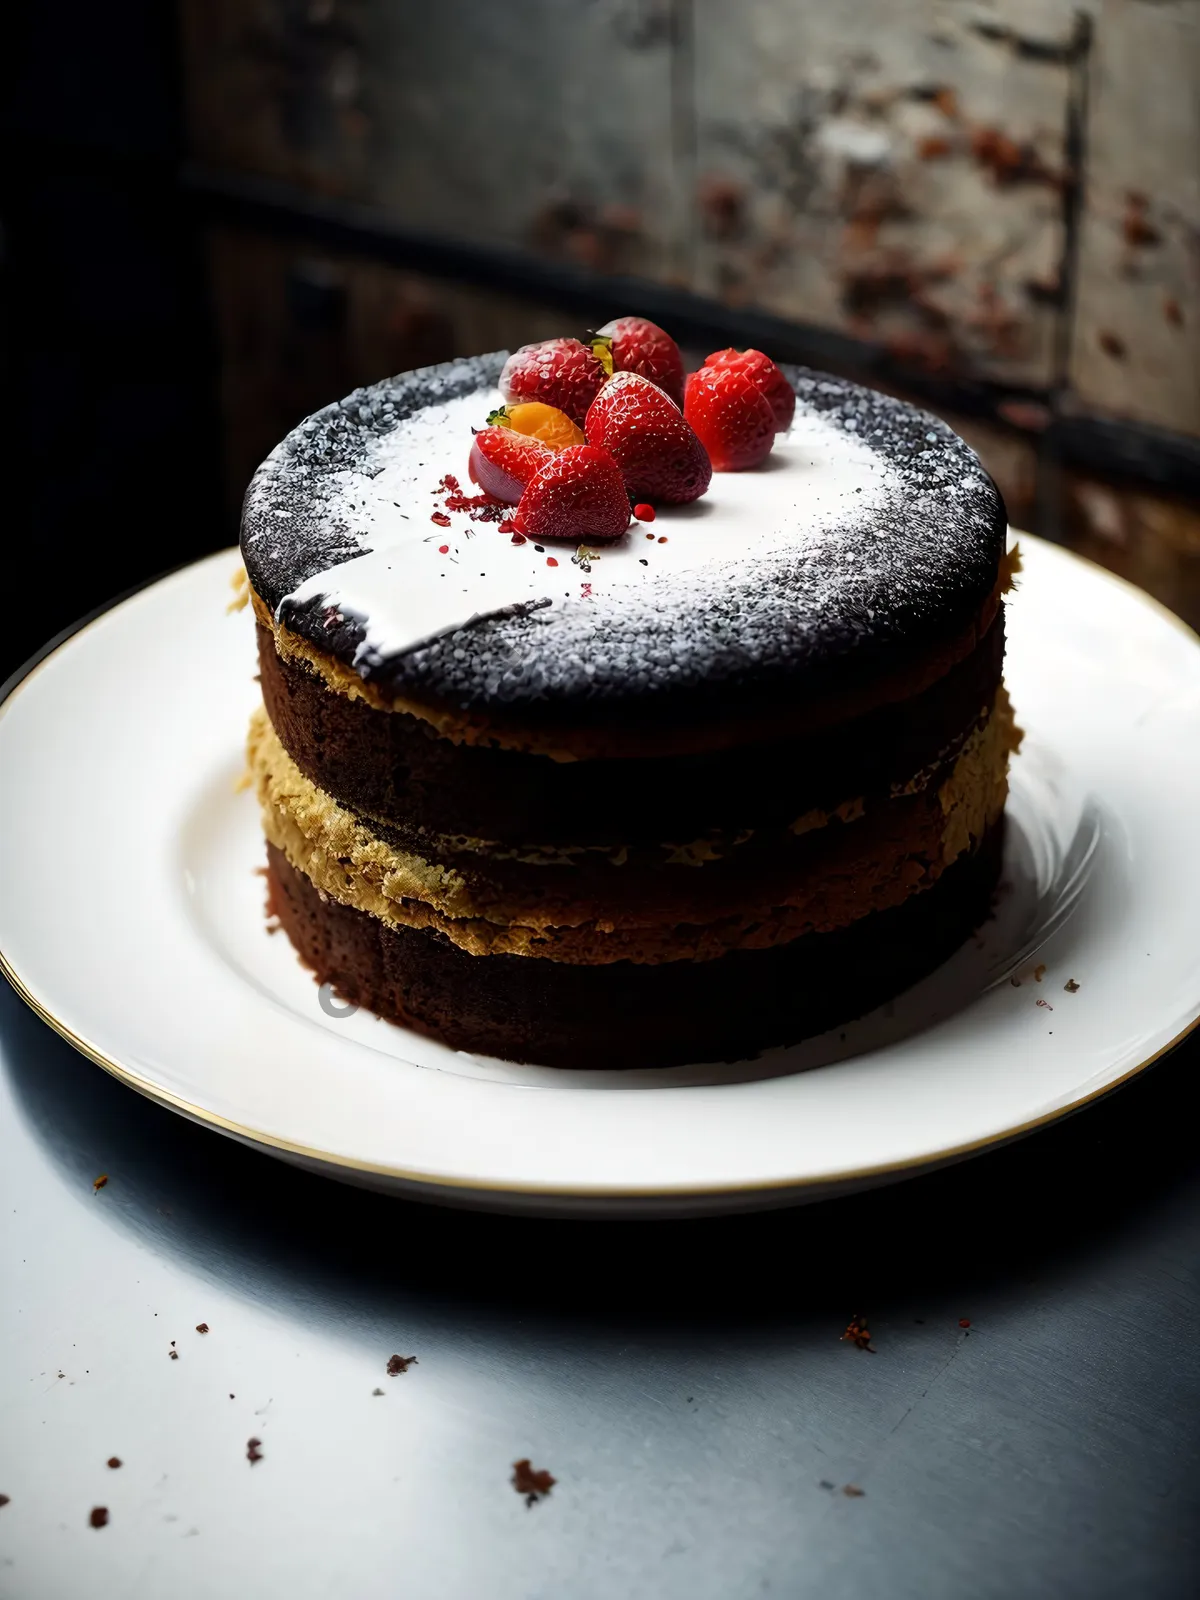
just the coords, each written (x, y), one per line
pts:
(636, 345)
(731, 416)
(660, 457)
(579, 495)
(561, 372)
(503, 461)
(766, 378)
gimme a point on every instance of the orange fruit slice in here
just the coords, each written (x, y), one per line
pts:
(539, 421)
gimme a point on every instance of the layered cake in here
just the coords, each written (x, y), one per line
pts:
(561, 783)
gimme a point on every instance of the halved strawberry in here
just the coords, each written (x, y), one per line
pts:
(636, 345)
(579, 494)
(503, 461)
(660, 457)
(766, 378)
(731, 416)
(561, 372)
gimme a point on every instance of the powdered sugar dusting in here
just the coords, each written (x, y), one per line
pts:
(870, 523)
(419, 582)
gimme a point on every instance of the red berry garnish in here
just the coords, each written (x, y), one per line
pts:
(643, 512)
(731, 416)
(766, 378)
(658, 453)
(578, 495)
(560, 372)
(636, 345)
(503, 461)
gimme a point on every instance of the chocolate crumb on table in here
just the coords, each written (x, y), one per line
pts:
(1071, 986)
(114, 1462)
(253, 1450)
(532, 1482)
(398, 1364)
(853, 1491)
(858, 1334)
(99, 1517)
(5, 1499)
(98, 1183)
(202, 1327)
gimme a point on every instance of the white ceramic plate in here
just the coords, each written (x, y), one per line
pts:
(131, 918)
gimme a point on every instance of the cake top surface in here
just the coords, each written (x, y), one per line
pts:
(870, 532)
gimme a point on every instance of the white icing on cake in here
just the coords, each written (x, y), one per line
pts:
(405, 590)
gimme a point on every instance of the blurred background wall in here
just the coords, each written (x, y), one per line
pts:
(221, 215)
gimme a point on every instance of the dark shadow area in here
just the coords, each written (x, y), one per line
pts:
(110, 437)
(1036, 1212)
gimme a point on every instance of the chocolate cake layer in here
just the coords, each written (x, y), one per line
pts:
(650, 904)
(397, 768)
(623, 1014)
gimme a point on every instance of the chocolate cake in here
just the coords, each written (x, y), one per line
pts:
(721, 784)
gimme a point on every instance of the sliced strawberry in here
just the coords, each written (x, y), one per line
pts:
(503, 461)
(659, 455)
(731, 416)
(766, 378)
(561, 372)
(579, 495)
(636, 345)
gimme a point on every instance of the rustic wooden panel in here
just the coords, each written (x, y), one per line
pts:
(1152, 541)
(298, 330)
(532, 123)
(1135, 347)
(898, 172)
(275, 88)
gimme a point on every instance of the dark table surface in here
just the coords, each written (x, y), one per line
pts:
(685, 1383)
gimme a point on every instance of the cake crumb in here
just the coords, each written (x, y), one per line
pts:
(253, 1450)
(114, 1462)
(858, 1334)
(398, 1364)
(1071, 986)
(99, 1517)
(240, 584)
(98, 1183)
(1039, 972)
(532, 1482)
(202, 1327)
(854, 1492)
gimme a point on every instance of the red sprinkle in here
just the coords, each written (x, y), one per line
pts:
(964, 1322)
(440, 517)
(551, 562)
(643, 512)
(443, 549)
